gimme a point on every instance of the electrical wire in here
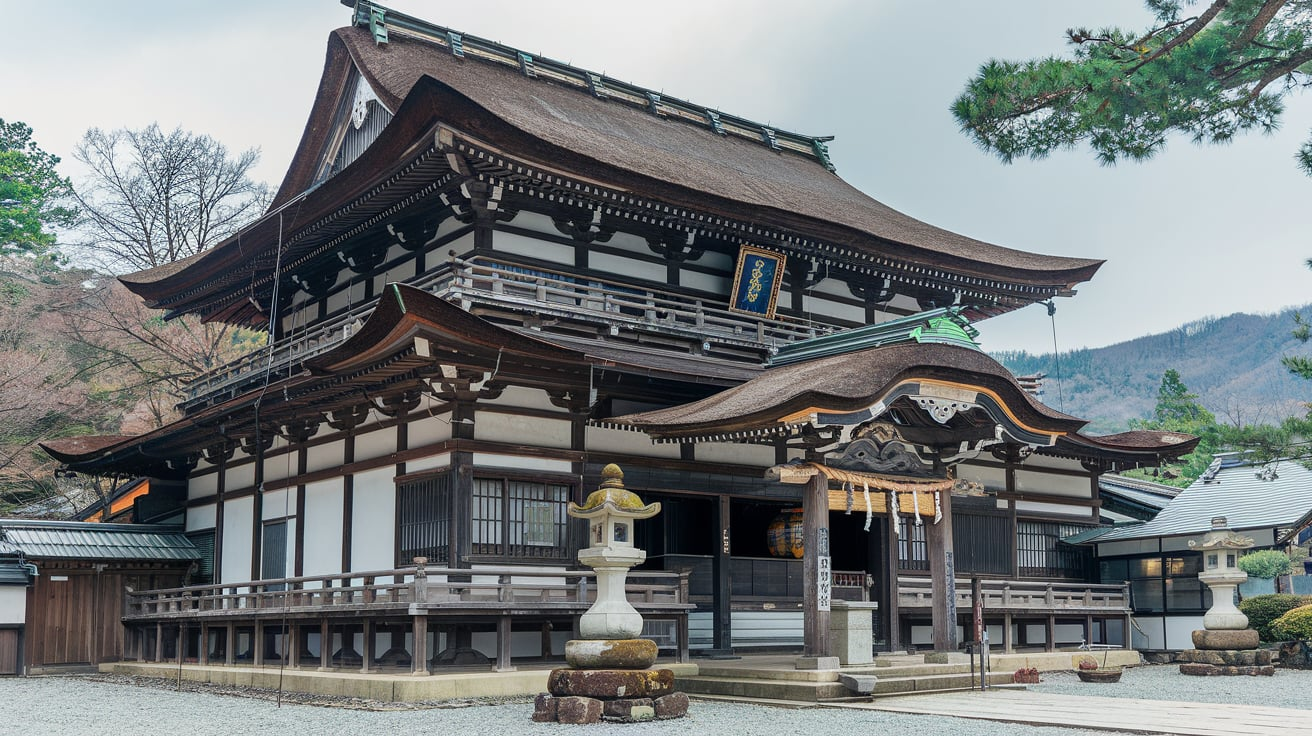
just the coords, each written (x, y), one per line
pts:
(1056, 356)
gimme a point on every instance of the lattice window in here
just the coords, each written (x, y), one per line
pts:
(423, 511)
(1041, 553)
(519, 518)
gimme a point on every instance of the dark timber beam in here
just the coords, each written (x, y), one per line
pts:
(815, 536)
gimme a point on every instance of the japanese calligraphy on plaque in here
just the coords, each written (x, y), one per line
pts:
(756, 281)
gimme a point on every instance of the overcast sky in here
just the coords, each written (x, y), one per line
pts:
(1197, 231)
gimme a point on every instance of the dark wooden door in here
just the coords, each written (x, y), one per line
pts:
(9, 664)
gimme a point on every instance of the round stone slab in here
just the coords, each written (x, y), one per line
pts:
(611, 683)
(1232, 639)
(622, 654)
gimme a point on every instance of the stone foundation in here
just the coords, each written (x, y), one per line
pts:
(1199, 669)
(1296, 655)
(616, 693)
(1227, 657)
(1234, 639)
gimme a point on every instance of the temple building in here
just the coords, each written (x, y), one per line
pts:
(488, 274)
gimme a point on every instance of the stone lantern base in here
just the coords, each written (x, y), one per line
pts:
(609, 680)
(1233, 652)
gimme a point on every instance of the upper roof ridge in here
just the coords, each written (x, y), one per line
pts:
(382, 22)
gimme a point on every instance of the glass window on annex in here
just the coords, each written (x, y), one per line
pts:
(1160, 584)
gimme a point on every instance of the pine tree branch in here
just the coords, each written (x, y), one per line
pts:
(1193, 29)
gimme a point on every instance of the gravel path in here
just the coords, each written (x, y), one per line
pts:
(81, 705)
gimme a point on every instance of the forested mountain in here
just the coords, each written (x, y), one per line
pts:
(1232, 363)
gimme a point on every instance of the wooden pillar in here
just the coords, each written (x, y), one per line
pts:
(886, 575)
(503, 645)
(230, 644)
(159, 642)
(203, 652)
(257, 644)
(367, 656)
(291, 646)
(1008, 646)
(942, 572)
(1050, 643)
(180, 642)
(1088, 630)
(325, 644)
(419, 659)
(722, 596)
(815, 536)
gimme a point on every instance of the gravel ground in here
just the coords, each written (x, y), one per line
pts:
(96, 705)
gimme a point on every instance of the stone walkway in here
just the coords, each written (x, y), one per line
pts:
(1112, 714)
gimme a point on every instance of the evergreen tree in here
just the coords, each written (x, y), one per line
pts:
(1178, 410)
(32, 193)
(1212, 76)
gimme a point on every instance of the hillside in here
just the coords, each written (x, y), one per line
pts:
(1232, 363)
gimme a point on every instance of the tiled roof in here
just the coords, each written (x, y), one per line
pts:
(1235, 492)
(88, 541)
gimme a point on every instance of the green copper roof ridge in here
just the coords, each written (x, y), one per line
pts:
(378, 19)
(911, 328)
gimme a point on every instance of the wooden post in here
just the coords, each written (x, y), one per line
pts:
(815, 536)
(159, 642)
(325, 645)
(1008, 646)
(503, 645)
(230, 645)
(721, 599)
(367, 656)
(291, 646)
(257, 644)
(419, 660)
(1050, 645)
(203, 653)
(942, 573)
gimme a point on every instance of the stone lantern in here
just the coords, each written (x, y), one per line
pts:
(611, 511)
(1225, 646)
(610, 671)
(1221, 548)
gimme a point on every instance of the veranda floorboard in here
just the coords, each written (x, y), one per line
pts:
(1112, 714)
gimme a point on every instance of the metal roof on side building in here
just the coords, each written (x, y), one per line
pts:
(90, 541)
(1249, 496)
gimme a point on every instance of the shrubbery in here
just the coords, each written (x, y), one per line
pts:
(1266, 564)
(1261, 610)
(1295, 624)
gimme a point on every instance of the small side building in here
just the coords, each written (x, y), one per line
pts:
(1260, 501)
(63, 585)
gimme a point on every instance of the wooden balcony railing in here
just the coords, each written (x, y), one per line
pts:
(1020, 596)
(611, 305)
(404, 591)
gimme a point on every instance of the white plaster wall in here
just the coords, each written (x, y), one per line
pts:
(533, 248)
(13, 604)
(1047, 461)
(200, 486)
(280, 467)
(528, 398)
(831, 286)
(242, 476)
(735, 454)
(321, 457)
(440, 460)
(705, 282)
(1180, 631)
(627, 266)
(429, 430)
(1064, 633)
(721, 261)
(994, 479)
(517, 462)
(373, 521)
(236, 532)
(375, 444)
(1052, 509)
(201, 517)
(278, 504)
(1054, 485)
(323, 528)
(600, 439)
(534, 221)
(522, 430)
(823, 307)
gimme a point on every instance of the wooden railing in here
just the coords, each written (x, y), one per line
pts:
(1022, 596)
(610, 304)
(405, 590)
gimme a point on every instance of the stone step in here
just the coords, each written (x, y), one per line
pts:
(751, 686)
(761, 689)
